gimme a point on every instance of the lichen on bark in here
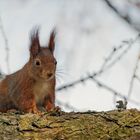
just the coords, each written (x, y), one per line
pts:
(111, 125)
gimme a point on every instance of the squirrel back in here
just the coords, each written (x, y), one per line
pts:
(33, 86)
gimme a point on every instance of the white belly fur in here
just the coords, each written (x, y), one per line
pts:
(40, 91)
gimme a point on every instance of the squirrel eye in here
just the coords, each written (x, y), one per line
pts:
(37, 63)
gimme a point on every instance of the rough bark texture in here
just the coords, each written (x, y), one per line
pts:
(111, 125)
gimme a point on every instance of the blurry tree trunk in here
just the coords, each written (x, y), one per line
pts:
(75, 126)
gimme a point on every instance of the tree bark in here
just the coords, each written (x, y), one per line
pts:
(111, 125)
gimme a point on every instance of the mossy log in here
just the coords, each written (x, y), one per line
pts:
(111, 125)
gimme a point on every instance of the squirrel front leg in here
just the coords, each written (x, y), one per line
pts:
(25, 102)
(49, 102)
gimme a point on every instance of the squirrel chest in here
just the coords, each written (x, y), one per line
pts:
(40, 90)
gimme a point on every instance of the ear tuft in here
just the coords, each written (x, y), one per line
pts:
(51, 44)
(35, 44)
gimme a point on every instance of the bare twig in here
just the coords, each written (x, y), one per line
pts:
(133, 76)
(126, 18)
(6, 45)
(101, 84)
(114, 50)
(114, 99)
(105, 67)
(137, 77)
(130, 44)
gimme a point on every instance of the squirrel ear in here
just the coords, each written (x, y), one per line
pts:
(35, 45)
(51, 44)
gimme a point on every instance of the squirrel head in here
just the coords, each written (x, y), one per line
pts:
(42, 61)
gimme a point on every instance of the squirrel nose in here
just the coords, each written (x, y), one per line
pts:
(49, 74)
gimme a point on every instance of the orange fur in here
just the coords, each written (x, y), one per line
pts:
(34, 84)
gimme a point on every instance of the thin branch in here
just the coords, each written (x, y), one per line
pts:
(102, 85)
(102, 70)
(133, 76)
(114, 99)
(125, 18)
(110, 56)
(130, 44)
(6, 45)
(137, 77)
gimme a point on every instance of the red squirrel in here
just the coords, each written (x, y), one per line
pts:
(33, 86)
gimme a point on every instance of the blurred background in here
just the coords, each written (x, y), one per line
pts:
(97, 48)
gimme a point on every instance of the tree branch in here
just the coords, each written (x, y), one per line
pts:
(64, 126)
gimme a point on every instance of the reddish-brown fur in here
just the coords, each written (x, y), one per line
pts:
(33, 86)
